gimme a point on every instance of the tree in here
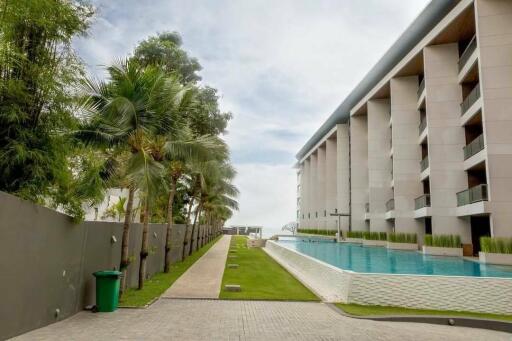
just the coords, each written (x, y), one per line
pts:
(117, 210)
(38, 68)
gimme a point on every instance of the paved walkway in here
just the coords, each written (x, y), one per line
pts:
(204, 278)
(182, 319)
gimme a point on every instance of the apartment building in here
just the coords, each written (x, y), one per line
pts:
(424, 143)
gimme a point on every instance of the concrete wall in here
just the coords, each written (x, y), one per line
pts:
(494, 35)
(358, 171)
(343, 173)
(46, 262)
(331, 182)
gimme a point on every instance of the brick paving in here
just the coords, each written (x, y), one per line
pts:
(204, 278)
(189, 319)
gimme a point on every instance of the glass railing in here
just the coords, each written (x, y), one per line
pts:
(474, 147)
(467, 53)
(421, 88)
(390, 205)
(423, 125)
(473, 96)
(472, 195)
(424, 163)
(423, 201)
(367, 207)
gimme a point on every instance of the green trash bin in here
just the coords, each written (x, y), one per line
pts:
(107, 290)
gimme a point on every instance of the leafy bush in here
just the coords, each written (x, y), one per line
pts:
(496, 245)
(318, 232)
(354, 234)
(443, 240)
(411, 238)
(375, 235)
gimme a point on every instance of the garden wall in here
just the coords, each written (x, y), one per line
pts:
(46, 262)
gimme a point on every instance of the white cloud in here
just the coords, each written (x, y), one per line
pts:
(281, 66)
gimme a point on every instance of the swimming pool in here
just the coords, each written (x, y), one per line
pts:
(355, 257)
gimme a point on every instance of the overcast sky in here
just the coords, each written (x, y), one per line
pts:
(281, 66)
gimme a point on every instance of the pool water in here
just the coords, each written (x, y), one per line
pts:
(355, 257)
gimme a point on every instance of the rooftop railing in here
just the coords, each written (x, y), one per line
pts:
(421, 88)
(424, 163)
(473, 96)
(472, 195)
(474, 147)
(390, 205)
(421, 202)
(464, 57)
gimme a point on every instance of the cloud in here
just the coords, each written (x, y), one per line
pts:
(281, 67)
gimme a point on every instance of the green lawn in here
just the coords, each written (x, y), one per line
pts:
(160, 282)
(260, 277)
(367, 310)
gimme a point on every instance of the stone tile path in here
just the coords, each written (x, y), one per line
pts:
(204, 278)
(182, 319)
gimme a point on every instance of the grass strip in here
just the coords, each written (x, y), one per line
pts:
(160, 282)
(375, 310)
(260, 276)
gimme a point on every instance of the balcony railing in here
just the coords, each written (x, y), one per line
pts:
(472, 195)
(473, 96)
(423, 125)
(421, 88)
(467, 53)
(367, 207)
(424, 163)
(390, 205)
(423, 201)
(474, 147)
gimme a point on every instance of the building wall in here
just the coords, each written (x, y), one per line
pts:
(358, 171)
(321, 199)
(494, 34)
(379, 163)
(47, 262)
(331, 159)
(343, 173)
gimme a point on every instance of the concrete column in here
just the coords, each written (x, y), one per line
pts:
(343, 173)
(331, 182)
(321, 198)
(406, 152)
(358, 171)
(305, 194)
(379, 163)
(446, 139)
(313, 193)
(300, 181)
(494, 36)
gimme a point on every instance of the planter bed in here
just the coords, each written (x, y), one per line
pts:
(352, 240)
(442, 251)
(402, 246)
(495, 258)
(367, 242)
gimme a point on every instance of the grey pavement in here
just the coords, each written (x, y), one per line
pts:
(194, 319)
(204, 278)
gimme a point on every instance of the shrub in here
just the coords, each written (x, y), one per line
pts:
(402, 238)
(496, 245)
(443, 240)
(354, 234)
(321, 232)
(375, 235)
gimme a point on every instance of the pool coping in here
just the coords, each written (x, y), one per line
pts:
(446, 320)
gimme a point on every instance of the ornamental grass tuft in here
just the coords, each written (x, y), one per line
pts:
(443, 240)
(321, 232)
(410, 238)
(496, 245)
(375, 235)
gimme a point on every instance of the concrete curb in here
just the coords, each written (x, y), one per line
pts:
(447, 320)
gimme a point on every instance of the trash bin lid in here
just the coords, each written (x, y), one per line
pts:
(107, 273)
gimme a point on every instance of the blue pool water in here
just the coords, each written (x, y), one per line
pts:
(357, 258)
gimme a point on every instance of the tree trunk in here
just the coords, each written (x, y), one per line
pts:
(167, 266)
(198, 211)
(187, 224)
(125, 257)
(145, 247)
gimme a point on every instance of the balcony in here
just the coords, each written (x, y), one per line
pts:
(390, 205)
(473, 96)
(424, 164)
(474, 147)
(367, 207)
(468, 52)
(472, 195)
(421, 88)
(421, 202)
(423, 125)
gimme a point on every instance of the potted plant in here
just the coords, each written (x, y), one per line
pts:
(375, 239)
(442, 245)
(402, 241)
(496, 251)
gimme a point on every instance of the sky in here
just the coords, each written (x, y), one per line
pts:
(281, 67)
